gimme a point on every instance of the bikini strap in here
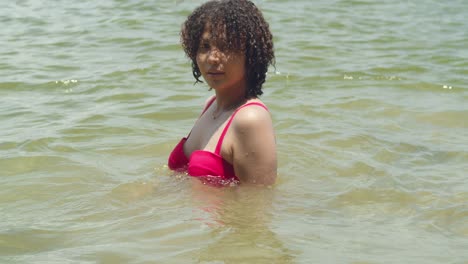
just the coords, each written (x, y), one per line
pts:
(208, 105)
(204, 110)
(223, 134)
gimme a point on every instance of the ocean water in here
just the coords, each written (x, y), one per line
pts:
(369, 101)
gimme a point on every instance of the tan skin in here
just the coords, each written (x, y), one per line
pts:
(249, 144)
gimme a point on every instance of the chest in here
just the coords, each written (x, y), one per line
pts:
(207, 135)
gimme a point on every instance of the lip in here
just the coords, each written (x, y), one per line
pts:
(215, 73)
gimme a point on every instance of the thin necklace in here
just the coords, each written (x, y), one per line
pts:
(214, 115)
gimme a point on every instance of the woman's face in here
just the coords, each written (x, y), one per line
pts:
(221, 69)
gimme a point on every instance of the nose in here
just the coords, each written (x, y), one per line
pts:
(214, 55)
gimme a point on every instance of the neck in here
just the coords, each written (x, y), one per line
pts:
(227, 99)
(227, 102)
(225, 105)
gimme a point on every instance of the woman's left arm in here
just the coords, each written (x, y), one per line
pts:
(254, 149)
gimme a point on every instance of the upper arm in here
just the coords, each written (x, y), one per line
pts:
(254, 148)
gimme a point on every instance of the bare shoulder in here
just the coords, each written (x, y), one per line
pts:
(252, 117)
(254, 145)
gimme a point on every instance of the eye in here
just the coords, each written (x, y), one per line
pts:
(204, 46)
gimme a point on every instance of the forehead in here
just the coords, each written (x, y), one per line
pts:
(222, 34)
(215, 32)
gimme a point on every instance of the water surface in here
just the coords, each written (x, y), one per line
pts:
(370, 105)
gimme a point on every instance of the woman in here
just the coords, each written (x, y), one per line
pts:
(231, 46)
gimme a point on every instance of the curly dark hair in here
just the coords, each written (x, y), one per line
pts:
(239, 26)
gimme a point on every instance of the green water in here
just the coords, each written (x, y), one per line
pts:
(370, 104)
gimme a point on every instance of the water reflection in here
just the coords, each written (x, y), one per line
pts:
(240, 220)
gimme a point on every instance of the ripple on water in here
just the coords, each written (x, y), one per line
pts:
(368, 100)
(29, 241)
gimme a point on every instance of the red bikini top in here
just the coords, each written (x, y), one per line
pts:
(209, 167)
